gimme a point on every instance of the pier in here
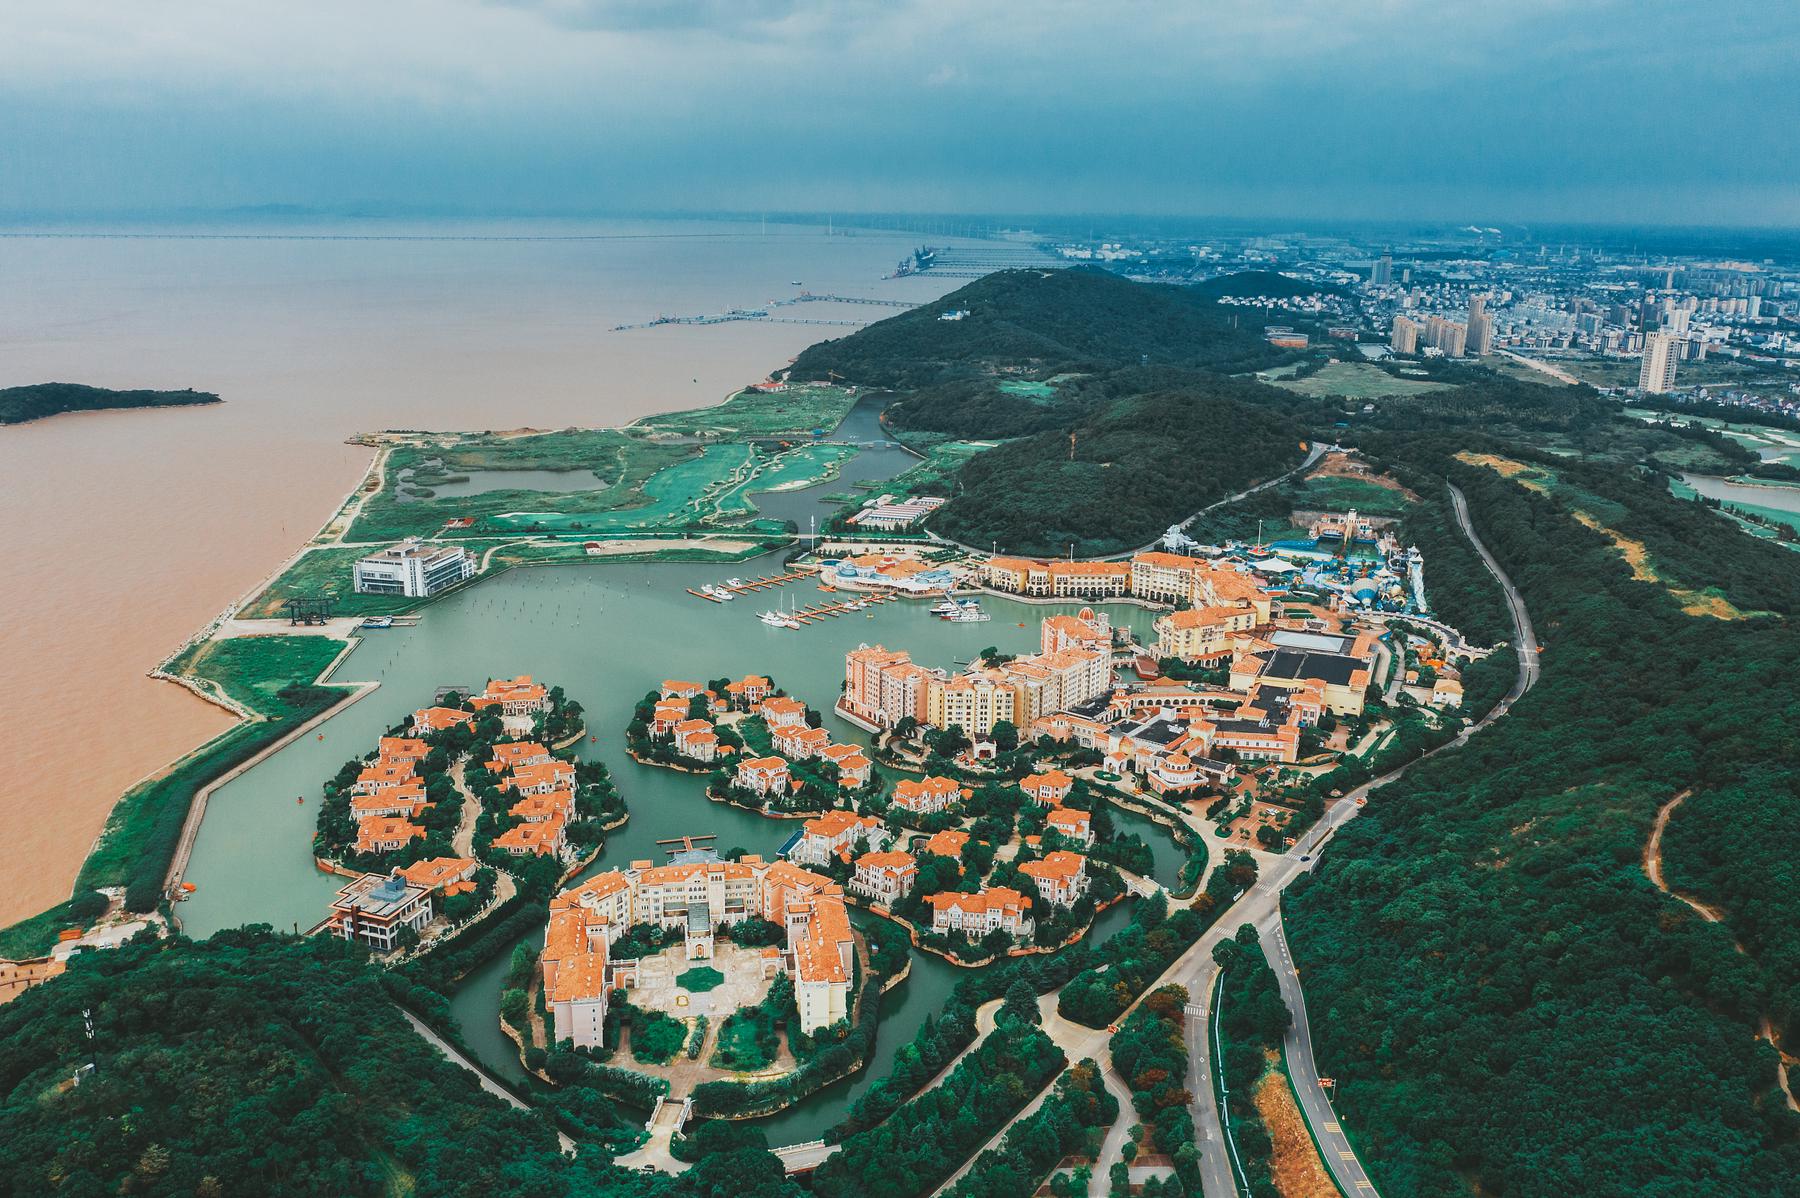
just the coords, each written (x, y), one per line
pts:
(766, 312)
(755, 584)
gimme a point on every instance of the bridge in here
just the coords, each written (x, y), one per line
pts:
(804, 1158)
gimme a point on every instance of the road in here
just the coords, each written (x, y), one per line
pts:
(1315, 451)
(1261, 907)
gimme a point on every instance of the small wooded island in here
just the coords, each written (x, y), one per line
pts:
(19, 404)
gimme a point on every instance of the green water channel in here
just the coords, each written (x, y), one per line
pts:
(606, 633)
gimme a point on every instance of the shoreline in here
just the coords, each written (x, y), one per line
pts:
(321, 538)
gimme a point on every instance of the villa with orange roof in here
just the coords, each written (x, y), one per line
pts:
(764, 775)
(696, 739)
(385, 833)
(666, 714)
(514, 698)
(376, 778)
(927, 795)
(1076, 825)
(1203, 634)
(393, 750)
(884, 877)
(446, 875)
(799, 743)
(854, 768)
(511, 755)
(976, 915)
(780, 711)
(437, 719)
(1061, 876)
(747, 691)
(555, 804)
(543, 838)
(1049, 788)
(835, 834)
(406, 800)
(674, 688)
(948, 843)
(541, 778)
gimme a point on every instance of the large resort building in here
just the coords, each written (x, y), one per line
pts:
(696, 892)
(414, 569)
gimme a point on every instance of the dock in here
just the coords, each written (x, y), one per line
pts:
(766, 312)
(755, 584)
(828, 611)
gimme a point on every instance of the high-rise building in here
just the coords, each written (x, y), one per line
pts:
(1406, 336)
(1480, 326)
(1448, 337)
(1661, 352)
(1382, 273)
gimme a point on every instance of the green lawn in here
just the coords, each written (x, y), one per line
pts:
(1337, 494)
(324, 572)
(743, 1043)
(254, 669)
(794, 412)
(1357, 380)
(700, 979)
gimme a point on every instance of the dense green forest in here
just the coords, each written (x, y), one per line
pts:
(1118, 480)
(19, 404)
(1252, 1020)
(1041, 323)
(1507, 1002)
(247, 1064)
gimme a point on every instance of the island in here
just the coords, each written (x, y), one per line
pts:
(35, 402)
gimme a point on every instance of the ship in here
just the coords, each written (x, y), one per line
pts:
(966, 613)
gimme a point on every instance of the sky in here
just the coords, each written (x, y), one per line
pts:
(1603, 111)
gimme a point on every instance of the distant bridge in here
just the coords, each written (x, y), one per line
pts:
(804, 1158)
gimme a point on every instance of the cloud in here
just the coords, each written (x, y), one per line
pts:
(1475, 111)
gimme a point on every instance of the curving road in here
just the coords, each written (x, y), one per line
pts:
(1261, 906)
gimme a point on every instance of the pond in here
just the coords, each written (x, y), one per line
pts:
(481, 482)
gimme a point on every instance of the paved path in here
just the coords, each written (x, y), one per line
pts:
(487, 1081)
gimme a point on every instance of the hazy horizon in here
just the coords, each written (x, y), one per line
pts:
(1531, 112)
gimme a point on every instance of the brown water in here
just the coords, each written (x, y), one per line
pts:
(124, 532)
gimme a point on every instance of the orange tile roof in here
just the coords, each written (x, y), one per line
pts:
(436, 719)
(1061, 866)
(381, 829)
(891, 859)
(948, 843)
(434, 872)
(835, 823)
(1002, 898)
(394, 748)
(540, 837)
(581, 978)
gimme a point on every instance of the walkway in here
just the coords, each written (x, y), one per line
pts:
(487, 1081)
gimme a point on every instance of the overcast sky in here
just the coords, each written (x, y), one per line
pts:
(1601, 111)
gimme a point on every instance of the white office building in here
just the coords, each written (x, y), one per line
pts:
(1661, 352)
(414, 569)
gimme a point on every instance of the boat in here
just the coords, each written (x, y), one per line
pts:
(773, 619)
(968, 613)
(734, 582)
(948, 607)
(719, 593)
(378, 622)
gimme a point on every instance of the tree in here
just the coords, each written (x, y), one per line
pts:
(1021, 1002)
(1005, 735)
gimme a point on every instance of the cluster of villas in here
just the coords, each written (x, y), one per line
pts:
(696, 892)
(388, 796)
(542, 789)
(885, 875)
(792, 736)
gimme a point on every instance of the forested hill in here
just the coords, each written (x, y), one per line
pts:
(19, 404)
(1118, 480)
(248, 1064)
(1041, 323)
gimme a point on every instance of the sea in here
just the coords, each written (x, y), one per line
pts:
(126, 532)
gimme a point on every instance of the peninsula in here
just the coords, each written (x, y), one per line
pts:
(21, 404)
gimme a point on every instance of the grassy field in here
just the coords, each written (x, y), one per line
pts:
(622, 467)
(700, 979)
(1784, 443)
(942, 460)
(318, 572)
(794, 412)
(1337, 494)
(1357, 380)
(1027, 389)
(254, 669)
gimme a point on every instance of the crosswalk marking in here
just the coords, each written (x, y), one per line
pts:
(1363, 1185)
(1332, 1127)
(1347, 1155)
